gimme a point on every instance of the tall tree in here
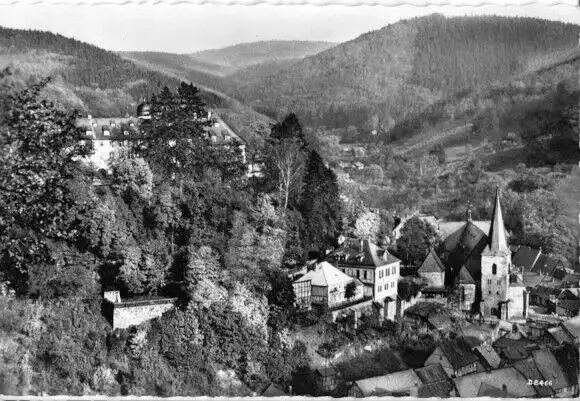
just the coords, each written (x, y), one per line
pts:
(177, 142)
(39, 150)
(286, 157)
(417, 237)
(320, 206)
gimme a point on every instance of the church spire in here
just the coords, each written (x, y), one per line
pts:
(497, 236)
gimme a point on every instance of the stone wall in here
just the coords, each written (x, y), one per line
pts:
(128, 314)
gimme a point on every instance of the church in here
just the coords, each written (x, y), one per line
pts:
(478, 266)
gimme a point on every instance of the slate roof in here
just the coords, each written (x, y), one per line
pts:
(325, 275)
(513, 350)
(432, 264)
(361, 253)
(516, 383)
(458, 353)
(116, 126)
(488, 356)
(567, 358)
(572, 326)
(462, 243)
(447, 228)
(434, 381)
(527, 367)
(273, 391)
(561, 335)
(398, 382)
(545, 265)
(465, 277)
(525, 257)
(550, 368)
(571, 305)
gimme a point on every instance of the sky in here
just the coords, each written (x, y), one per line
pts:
(185, 28)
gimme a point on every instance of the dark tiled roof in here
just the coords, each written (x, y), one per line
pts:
(465, 276)
(432, 374)
(432, 264)
(361, 253)
(572, 305)
(545, 265)
(559, 274)
(525, 257)
(527, 367)
(488, 356)
(567, 358)
(550, 368)
(462, 244)
(273, 391)
(458, 353)
(545, 292)
(513, 350)
(440, 389)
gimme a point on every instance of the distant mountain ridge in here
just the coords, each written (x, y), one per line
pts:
(247, 54)
(406, 66)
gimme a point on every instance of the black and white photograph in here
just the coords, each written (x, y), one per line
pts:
(332, 199)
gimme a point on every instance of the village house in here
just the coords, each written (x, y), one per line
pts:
(375, 267)
(455, 357)
(326, 286)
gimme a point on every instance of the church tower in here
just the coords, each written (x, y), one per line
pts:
(495, 266)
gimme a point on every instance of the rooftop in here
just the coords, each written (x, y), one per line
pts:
(432, 264)
(515, 383)
(488, 355)
(361, 253)
(325, 275)
(458, 353)
(525, 257)
(398, 382)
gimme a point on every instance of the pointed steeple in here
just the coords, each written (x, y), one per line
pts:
(497, 236)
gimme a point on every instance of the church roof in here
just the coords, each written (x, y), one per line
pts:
(432, 264)
(465, 277)
(525, 257)
(497, 236)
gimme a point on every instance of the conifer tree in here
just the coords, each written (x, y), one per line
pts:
(320, 206)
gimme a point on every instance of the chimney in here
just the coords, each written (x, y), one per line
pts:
(414, 391)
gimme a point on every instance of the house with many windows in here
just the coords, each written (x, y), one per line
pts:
(375, 267)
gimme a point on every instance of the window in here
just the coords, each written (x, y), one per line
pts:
(358, 273)
(388, 271)
(494, 269)
(489, 292)
(489, 281)
(380, 288)
(394, 269)
(365, 274)
(498, 282)
(497, 293)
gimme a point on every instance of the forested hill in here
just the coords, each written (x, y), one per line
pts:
(403, 67)
(86, 76)
(247, 54)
